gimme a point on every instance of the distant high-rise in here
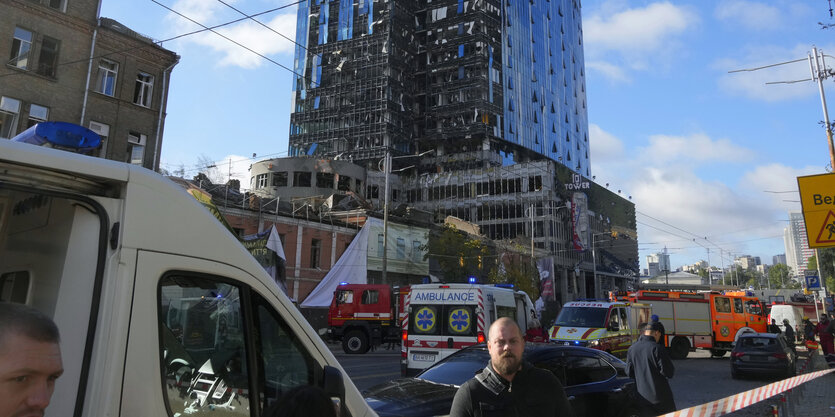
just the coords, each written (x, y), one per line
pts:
(658, 263)
(797, 244)
(778, 259)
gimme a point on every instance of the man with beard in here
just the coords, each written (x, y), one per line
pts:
(649, 364)
(510, 386)
(30, 360)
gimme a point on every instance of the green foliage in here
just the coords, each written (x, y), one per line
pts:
(458, 255)
(524, 277)
(779, 276)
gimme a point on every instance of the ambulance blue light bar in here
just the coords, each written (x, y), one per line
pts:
(504, 285)
(62, 135)
(472, 279)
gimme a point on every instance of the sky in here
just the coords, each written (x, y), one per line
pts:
(710, 157)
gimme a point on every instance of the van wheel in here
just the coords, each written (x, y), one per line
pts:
(355, 342)
(717, 353)
(679, 348)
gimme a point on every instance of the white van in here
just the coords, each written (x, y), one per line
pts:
(444, 318)
(162, 312)
(785, 311)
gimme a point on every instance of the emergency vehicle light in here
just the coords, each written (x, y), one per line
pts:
(343, 283)
(480, 337)
(443, 286)
(504, 285)
(472, 279)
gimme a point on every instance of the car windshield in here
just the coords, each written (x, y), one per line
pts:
(458, 368)
(582, 317)
(757, 343)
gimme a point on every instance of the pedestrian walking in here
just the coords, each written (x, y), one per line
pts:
(825, 335)
(808, 329)
(509, 385)
(773, 327)
(30, 360)
(651, 367)
(789, 334)
(663, 340)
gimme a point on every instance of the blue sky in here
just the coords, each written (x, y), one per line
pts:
(701, 151)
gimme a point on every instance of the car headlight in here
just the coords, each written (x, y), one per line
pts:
(593, 343)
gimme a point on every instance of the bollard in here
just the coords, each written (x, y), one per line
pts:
(775, 412)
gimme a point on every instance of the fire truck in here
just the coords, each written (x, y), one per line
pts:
(362, 315)
(703, 320)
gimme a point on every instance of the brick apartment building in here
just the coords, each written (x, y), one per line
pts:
(63, 62)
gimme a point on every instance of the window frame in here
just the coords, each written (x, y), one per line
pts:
(13, 114)
(138, 144)
(21, 48)
(49, 69)
(103, 130)
(143, 92)
(315, 253)
(107, 78)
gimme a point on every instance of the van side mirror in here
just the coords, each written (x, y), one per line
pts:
(332, 382)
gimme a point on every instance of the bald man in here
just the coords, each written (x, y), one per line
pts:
(30, 360)
(510, 386)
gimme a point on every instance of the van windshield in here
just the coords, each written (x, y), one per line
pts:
(582, 317)
(442, 320)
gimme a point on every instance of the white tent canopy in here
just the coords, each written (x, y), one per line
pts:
(352, 267)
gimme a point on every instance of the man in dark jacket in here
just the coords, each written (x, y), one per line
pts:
(509, 386)
(649, 364)
(661, 340)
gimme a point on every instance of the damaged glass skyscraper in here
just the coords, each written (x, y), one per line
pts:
(490, 93)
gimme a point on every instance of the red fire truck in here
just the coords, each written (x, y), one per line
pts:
(364, 314)
(703, 320)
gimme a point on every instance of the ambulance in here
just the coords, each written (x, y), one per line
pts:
(607, 326)
(443, 318)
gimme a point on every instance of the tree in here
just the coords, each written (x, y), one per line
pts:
(208, 167)
(779, 276)
(458, 255)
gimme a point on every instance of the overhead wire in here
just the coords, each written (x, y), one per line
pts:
(160, 42)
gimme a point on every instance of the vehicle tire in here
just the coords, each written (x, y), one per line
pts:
(679, 348)
(355, 342)
(717, 353)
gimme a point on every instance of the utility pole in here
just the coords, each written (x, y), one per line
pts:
(387, 173)
(818, 68)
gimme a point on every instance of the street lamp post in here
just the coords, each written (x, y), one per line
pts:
(594, 263)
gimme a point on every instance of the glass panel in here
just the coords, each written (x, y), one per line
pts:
(285, 361)
(586, 370)
(203, 347)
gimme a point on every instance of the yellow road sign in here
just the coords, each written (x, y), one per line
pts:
(817, 196)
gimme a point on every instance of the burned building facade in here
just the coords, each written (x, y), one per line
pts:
(482, 104)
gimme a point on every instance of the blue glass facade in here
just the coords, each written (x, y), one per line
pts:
(504, 77)
(544, 89)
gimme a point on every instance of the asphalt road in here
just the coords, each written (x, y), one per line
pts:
(698, 379)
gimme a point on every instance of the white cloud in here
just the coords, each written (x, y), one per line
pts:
(752, 84)
(749, 14)
(254, 36)
(639, 37)
(663, 177)
(777, 182)
(605, 147)
(693, 148)
(610, 71)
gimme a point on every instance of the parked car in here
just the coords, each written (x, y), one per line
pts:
(762, 354)
(595, 382)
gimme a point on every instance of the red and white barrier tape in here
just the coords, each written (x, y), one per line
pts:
(744, 399)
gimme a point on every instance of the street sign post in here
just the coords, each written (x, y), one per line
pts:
(817, 197)
(813, 281)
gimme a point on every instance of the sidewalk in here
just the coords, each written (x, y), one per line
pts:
(817, 396)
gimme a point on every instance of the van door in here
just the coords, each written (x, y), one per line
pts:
(205, 337)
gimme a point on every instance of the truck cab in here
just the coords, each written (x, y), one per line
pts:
(364, 314)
